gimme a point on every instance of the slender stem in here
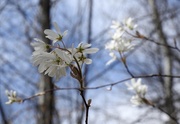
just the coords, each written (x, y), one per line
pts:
(48, 91)
(151, 40)
(128, 70)
(127, 79)
(79, 68)
(82, 91)
(124, 62)
(86, 105)
(63, 44)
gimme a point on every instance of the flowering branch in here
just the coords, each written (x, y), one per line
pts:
(54, 59)
(87, 104)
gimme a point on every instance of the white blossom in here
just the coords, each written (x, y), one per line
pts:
(136, 100)
(129, 24)
(139, 89)
(81, 51)
(120, 45)
(55, 36)
(12, 97)
(119, 42)
(116, 25)
(65, 56)
(39, 46)
(113, 58)
(53, 63)
(84, 48)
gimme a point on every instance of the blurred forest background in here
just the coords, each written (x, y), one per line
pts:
(89, 21)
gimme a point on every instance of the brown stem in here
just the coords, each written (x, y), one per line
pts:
(86, 105)
(124, 62)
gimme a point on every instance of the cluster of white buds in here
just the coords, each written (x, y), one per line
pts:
(119, 42)
(53, 59)
(12, 97)
(140, 90)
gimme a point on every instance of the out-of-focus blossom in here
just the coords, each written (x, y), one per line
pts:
(139, 89)
(12, 97)
(136, 100)
(119, 42)
(113, 58)
(121, 45)
(129, 24)
(116, 25)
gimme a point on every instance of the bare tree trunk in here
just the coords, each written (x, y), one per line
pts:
(46, 102)
(166, 62)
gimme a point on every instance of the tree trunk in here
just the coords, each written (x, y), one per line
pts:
(166, 61)
(46, 102)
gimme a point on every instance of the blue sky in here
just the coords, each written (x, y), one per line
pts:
(14, 48)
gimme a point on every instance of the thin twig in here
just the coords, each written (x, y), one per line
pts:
(172, 118)
(140, 36)
(128, 70)
(86, 105)
(141, 76)
(48, 91)
(124, 62)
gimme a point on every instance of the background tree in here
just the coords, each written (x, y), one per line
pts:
(89, 21)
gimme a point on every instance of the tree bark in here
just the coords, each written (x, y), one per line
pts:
(166, 61)
(46, 102)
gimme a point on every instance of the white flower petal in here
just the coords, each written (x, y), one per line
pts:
(51, 33)
(65, 33)
(136, 100)
(57, 28)
(88, 61)
(90, 50)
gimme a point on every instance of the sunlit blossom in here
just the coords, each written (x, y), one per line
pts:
(55, 36)
(140, 90)
(85, 48)
(81, 51)
(52, 63)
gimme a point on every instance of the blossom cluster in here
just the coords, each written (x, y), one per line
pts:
(140, 90)
(53, 59)
(119, 42)
(12, 97)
